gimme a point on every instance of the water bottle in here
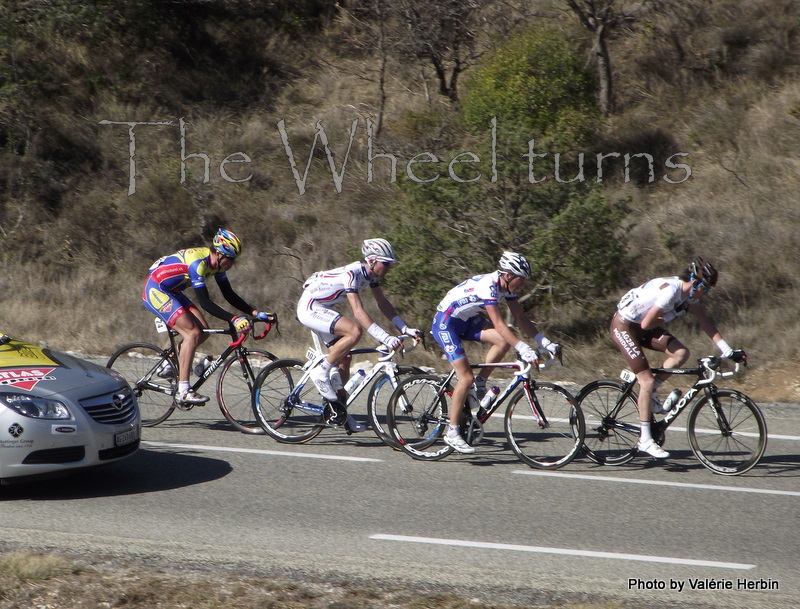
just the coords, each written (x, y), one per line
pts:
(202, 365)
(355, 380)
(490, 396)
(671, 400)
(488, 399)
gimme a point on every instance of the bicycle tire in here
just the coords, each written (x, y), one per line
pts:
(550, 444)
(738, 448)
(276, 415)
(139, 363)
(235, 383)
(378, 401)
(416, 417)
(612, 428)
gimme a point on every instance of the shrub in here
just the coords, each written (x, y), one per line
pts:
(535, 82)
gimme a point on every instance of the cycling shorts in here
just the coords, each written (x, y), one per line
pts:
(168, 306)
(629, 337)
(449, 331)
(319, 319)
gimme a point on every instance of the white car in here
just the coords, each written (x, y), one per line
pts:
(59, 412)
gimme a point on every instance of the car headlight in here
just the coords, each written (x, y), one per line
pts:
(35, 408)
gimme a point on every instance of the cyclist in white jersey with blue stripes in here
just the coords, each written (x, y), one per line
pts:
(460, 317)
(315, 310)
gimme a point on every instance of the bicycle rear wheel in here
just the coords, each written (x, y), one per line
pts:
(547, 433)
(285, 415)
(727, 432)
(235, 384)
(417, 417)
(612, 422)
(140, 364)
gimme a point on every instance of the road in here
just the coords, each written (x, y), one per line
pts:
(350, 508)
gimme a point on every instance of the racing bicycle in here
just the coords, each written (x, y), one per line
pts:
(288, 407)
(152, 372)
(726, 429)
(543, 423)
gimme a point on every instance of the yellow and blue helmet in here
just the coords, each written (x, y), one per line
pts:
(227, 243)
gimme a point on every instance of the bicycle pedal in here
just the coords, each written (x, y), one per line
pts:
(334, 414)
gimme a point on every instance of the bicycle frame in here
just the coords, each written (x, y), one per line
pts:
(235, 345)
(418, 416)
(170, 353)
(315, 354)
(522, 376)
(706, 374)
(726, 430)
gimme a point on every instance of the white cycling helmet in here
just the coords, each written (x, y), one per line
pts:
(516, 264)
(379, 249)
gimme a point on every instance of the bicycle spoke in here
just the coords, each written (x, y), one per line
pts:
(547, 432)
(612, 424)
(235, 385)
(727, 432)
(140, 365)
(286, 409)
(417, 418)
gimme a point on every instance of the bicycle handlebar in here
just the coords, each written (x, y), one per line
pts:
(268, 325)
(523, 367)
(713, 363)
(390, 353)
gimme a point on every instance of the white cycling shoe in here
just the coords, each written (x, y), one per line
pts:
(652, 449)
(459, 444)
(191, 397)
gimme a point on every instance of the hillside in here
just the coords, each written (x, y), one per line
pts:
(225, 99)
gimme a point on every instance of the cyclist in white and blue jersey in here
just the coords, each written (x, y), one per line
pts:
(460, 317)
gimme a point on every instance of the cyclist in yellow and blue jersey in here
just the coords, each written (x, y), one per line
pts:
(163, 296)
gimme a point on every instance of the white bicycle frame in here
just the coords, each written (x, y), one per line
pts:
(384, 365)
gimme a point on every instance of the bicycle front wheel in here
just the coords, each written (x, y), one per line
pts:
(286, 409)
(612, 422)
(727, 432)
(141, 364)
(545, 431)
(235, 384)
(378, 400)
(417, 417)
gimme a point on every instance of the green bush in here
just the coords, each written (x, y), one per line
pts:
(536, 81)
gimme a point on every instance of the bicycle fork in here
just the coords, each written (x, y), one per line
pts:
(536, 408)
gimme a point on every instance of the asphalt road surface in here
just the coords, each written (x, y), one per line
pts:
(350, 508)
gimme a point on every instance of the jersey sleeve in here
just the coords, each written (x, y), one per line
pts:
(198, 271)
(487, 290)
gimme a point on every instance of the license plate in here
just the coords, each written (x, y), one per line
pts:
(126, 437)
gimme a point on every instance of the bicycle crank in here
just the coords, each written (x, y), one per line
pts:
(474, 432)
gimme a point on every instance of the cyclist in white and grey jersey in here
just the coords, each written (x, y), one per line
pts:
(639, 323)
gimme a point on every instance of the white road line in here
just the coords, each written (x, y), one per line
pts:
(564, 551)
(275, 453)
(712, 487)
(770, 436)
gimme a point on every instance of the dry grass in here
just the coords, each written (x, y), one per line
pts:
(717, 80)
(57, 582)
